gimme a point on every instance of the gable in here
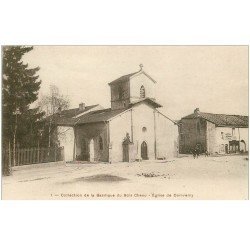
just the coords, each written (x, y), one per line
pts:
(142, 74)
(139, 80)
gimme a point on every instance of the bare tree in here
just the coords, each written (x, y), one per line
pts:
(51, 104)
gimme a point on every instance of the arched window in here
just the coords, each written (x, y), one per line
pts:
(142, 92)
(100, 143)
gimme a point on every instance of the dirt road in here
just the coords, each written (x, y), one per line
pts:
(181, 178)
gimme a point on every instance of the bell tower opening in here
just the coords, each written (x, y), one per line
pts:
(142, 92)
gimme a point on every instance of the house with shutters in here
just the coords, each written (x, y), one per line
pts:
(214, 133)
(133, 128)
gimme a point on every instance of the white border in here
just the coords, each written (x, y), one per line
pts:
(124, 224)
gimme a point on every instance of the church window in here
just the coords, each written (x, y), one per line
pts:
(144, 129)
(142, 92)
(100, 143)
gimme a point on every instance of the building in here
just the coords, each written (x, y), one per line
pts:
(132, 129)
(216, 133)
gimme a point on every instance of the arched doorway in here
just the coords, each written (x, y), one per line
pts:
(84, 150)
(243, 146)
(91, 151)
(234, 146)
(144, 151)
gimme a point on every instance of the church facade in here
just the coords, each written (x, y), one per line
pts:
(132, 129)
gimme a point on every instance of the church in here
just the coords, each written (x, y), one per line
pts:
(133, 129)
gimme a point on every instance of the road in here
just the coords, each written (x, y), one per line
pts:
(180, 178)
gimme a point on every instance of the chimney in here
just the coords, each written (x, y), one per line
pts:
(197, 111)
(81, 106)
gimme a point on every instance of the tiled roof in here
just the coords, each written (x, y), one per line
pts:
(93, 116)
(223, 120)
(99, 115)
(123, 78)
(66, 116)
(73, 112)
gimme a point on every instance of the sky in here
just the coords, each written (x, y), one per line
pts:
(211, 78)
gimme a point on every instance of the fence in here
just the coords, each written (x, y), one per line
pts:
(32, 156)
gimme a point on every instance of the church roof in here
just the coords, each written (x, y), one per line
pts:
(76, 111)
(222, 120)
(151, 101)
(125, 78)
(68, 117)
(101, 115)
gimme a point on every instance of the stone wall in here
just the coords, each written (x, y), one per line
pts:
(119, 100)
(192, 132)
(211, 137)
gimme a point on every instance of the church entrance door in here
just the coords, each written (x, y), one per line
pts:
(144, 151)
(125, 152)
(84, 150)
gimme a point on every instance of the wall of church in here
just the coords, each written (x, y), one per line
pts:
(152, 128)
(118, 128)
(143, 129)
(90, 134)
(119, 95)
(135, 84)
(166, 137)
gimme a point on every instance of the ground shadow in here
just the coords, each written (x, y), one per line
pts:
(97, 178)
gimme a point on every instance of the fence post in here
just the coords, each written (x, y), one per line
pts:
(30, 158)
(26, 156)
(38, 155)
(17, 152)
(20, 156)
(9, 165)
(42, 153)
(55, 153)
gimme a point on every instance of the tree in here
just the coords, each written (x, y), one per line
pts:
(51, 104)
(20, 88)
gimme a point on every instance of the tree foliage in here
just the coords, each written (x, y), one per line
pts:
(53, 101)
(20, 89)
(51, 104)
